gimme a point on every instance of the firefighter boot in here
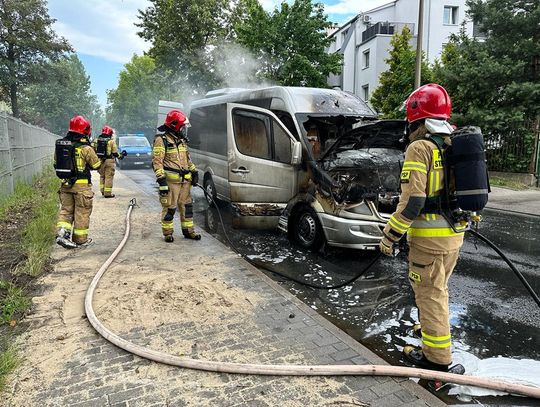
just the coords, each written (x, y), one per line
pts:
(417, 358)
(191, 235)
(63, 238)
(169, 238)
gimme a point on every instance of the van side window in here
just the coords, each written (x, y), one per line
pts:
(282, 144)
(251, 134)
(208, 130)
(196, 118)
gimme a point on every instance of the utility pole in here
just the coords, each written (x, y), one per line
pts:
(419, 38)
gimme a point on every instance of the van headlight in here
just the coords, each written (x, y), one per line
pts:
(359, 209)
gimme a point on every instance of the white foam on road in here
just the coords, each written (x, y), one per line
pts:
(518, 371)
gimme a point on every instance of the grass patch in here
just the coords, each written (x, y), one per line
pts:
(506, 183)
(8, 362)
(19, 198)
(38, 234)
(27, 220)
(13, 302)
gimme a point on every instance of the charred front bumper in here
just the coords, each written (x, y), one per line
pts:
(351, 233)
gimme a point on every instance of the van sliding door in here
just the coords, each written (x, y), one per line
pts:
(261, 177)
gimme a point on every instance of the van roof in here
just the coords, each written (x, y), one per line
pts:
(305, 100)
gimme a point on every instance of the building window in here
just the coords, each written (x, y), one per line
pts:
(366, 59)
(365, 93)
(450, 16)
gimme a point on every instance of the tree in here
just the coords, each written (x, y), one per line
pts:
(26, 39)
(290, 42)
(495, 83)
(133, 105)
(183, 34)
(396, 84)
(63, 93)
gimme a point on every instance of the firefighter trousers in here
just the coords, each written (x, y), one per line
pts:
(428, 275)
(75, 210)
(179, 198)
(106, 172)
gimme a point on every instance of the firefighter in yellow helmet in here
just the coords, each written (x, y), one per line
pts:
(434, 244)
(107, 151)
(73, 160)
(175, 175)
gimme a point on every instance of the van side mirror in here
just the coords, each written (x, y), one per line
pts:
(296, 153)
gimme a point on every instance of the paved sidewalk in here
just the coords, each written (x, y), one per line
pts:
(525, 201)
(196, 299)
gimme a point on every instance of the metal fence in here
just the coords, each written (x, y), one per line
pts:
(24, 152)
(512, 152)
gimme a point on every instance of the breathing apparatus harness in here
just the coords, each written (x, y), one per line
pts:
(464, 162)
(181, 136)
(66, 161)
(102, 143)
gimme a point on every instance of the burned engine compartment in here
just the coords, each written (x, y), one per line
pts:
(364, 174)
(363, 163)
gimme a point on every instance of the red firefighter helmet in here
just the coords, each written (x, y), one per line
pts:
(428, 101)
(174, 121)
(107, 131)
(79, 124)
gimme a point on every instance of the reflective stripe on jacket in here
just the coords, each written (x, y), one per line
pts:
(422, 177)
(173, 155)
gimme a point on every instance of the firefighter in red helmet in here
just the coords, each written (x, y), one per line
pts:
(434, 244)
(73, 160)
(175, 173)
(107, 151)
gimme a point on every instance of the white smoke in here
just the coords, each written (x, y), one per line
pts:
(237, 67)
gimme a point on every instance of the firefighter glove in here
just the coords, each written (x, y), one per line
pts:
(163, 187)
(194, 177)
(386, 246)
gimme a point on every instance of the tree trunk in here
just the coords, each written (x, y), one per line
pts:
(14, 99)
(13, 86)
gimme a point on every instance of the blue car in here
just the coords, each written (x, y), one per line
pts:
(138, 149)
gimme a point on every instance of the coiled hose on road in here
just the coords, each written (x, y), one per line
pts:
(278, 370)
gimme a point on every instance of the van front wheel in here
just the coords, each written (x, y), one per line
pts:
(210, 188)
(307, 230)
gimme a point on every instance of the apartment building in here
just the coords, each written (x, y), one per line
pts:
(364, 41)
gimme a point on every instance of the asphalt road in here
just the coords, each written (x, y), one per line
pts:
(491, 312)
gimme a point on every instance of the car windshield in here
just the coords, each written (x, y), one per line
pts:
(133, 142)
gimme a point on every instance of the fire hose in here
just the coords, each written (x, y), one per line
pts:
(277, 370)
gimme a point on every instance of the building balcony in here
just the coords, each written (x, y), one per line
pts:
(386, 27)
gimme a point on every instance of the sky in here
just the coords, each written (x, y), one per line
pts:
(103, 33)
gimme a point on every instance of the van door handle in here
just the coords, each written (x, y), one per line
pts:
(241, 170)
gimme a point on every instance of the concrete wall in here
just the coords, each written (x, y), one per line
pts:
(24, 152)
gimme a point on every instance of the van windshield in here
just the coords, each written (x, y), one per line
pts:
(133, 142)
(327, 101)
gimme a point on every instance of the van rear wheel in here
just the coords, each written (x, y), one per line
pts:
(307, 230)
(210, 189)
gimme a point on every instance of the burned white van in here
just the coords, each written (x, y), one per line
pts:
(314, 162)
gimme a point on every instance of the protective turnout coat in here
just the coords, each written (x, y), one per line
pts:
(170, 159)
(434, 245)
